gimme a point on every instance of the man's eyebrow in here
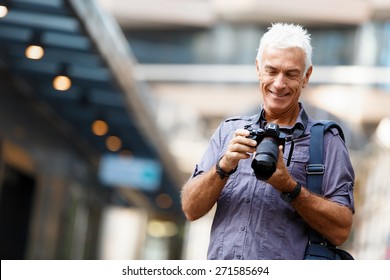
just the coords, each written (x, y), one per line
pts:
(269, 67)
(293, 71)
(290, 71)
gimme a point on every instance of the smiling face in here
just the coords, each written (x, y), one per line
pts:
(282, 78)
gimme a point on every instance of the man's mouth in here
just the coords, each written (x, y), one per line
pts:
(279, 94)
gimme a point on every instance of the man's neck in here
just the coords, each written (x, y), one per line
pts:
(287, 118)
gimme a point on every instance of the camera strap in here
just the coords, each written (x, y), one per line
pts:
(297, 133)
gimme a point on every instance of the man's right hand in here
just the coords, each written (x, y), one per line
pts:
(240, 147)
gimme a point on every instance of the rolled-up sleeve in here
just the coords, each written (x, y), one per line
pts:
(210, 155)
(339, 176)
(218, 144)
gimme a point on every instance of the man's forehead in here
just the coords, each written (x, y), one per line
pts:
(291, 58)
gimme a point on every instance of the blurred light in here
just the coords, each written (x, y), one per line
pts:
(34, 52)
(62, 83)
(35, 49)
(164, 201)
(99, 127)
(161, 229)
(383, 132)
(113, 143)
(3, 11)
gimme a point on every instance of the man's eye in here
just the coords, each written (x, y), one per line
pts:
(271, 72)
(292, 74)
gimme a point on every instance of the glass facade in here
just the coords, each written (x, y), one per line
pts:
(234, 44)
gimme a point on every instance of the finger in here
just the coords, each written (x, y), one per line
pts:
(281, 151)
(246, 141)
(241, 148)
(280, 155)
(242, 132)
(237, 156)
(241, 136)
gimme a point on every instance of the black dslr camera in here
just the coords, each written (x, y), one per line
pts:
(268, 141)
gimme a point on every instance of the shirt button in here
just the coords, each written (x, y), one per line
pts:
(242, 228)
(247, 200)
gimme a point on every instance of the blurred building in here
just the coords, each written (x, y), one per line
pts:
(161, 75)
(86, 172)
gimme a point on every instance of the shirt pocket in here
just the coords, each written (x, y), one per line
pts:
(299, 161)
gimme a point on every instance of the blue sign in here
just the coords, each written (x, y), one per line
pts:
(131, 172)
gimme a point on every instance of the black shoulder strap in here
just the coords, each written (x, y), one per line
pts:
(316, 168)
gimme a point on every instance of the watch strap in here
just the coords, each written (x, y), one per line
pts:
(290, 196)
(222, 174)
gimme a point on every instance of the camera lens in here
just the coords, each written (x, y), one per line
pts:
(264, 162)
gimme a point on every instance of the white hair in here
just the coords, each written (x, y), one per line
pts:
(283, 36)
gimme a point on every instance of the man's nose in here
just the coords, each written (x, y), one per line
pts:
(280, 81)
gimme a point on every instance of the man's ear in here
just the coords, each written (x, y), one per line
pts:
(257, 68)
(307, 76)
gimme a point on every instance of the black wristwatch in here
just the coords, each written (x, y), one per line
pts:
(222, 174)
(290, 196)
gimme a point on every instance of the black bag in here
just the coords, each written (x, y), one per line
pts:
(318, 248)
(324, 252)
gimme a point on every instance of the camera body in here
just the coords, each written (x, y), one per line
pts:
(268, 141)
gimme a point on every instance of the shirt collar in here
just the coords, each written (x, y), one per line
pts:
(300, 122)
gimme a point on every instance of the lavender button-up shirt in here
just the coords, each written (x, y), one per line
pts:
(251, 220)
